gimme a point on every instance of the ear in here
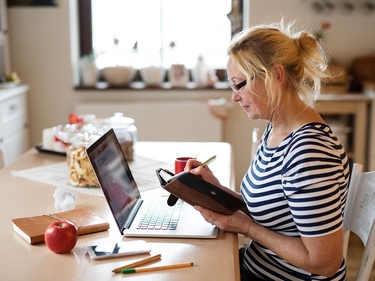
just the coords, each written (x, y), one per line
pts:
(280, 73)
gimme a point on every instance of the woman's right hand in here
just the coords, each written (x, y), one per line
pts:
(195, 167)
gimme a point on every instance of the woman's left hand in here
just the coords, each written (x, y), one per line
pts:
(238, 222)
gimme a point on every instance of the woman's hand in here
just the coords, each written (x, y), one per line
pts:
(321, 255)
(195, 167)
(238, 222)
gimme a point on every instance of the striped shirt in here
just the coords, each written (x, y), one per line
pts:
(297, 189)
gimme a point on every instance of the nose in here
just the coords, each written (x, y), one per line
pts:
(235, 96)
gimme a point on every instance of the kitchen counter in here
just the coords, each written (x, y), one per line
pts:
(6, 93)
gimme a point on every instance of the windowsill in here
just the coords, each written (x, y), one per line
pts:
(102, 86)
(138, 91)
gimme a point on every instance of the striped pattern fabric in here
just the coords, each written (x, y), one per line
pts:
(297, 189)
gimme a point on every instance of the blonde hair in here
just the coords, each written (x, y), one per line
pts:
(257, 50)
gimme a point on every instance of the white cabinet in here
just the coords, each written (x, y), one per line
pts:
(14, 132)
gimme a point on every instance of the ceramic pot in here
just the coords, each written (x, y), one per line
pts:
(153, 75)
(90, 73)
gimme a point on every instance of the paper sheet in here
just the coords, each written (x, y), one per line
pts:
(143, 170)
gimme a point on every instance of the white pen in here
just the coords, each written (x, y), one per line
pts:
(208, 161)
(204, 164)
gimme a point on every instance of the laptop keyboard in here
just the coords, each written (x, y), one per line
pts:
(159, 216)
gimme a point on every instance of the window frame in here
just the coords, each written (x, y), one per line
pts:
(85, 23)
(236, 17)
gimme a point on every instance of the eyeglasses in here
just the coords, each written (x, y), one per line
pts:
(237, 87)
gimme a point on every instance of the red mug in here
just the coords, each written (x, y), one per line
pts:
(180, 163)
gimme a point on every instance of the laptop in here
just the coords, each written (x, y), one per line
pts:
(127, 206)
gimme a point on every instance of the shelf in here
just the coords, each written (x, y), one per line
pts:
(100, 86)
(355, 106)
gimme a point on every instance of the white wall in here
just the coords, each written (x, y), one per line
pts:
(43, 52)
(349, 35)
(40, 47)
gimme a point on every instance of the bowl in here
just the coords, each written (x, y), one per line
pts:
(118, 75)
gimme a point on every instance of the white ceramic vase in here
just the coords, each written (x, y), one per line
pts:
(153, 75)
(90, 73)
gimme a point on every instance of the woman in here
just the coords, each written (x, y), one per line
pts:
(296, 186)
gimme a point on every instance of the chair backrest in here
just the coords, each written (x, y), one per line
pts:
(2, 164)
(359, 217)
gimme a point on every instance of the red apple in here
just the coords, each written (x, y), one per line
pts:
(61, 236)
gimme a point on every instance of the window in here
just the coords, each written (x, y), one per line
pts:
(192, 27)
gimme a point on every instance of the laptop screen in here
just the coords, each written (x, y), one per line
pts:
(114, 176)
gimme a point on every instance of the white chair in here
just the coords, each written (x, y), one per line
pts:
(1, 159)
(359, 217)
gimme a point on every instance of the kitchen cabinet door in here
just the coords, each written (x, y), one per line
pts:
(14, 132)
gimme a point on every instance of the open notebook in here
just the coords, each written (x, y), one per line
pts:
(127, 206)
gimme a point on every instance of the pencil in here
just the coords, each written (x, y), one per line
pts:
(147, 269)
(209, 161)
(137, 263)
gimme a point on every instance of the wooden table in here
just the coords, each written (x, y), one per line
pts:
(214, 259)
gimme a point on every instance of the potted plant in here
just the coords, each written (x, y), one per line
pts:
(150, 67)
(89, 70)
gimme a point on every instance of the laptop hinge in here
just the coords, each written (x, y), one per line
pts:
(132, 215)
